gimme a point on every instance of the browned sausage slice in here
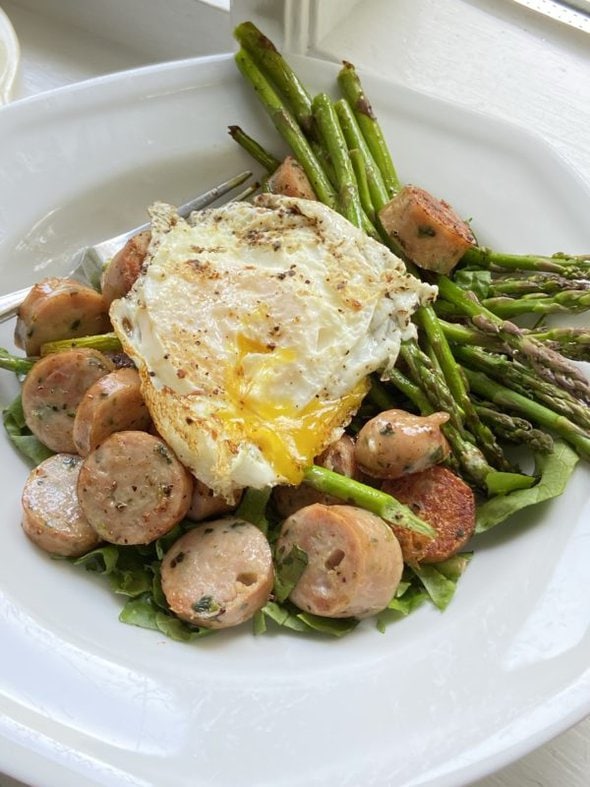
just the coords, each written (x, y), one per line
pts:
(133, 489)
(354, 560)
(113, 404)
(59, 309)
(442, 499)
(429, 231)
(120, 274)
(219, 574)
(52, 517)
(53, 390)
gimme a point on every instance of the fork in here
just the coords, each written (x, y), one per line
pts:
(88, 262)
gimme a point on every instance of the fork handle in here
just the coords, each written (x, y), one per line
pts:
(10, 302)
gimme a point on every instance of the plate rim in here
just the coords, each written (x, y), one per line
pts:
(546, 733)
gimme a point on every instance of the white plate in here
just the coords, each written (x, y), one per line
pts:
(439, 698)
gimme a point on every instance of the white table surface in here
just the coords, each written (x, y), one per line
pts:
(62, 42)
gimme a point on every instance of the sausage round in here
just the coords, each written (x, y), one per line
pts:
(219, 574)
(133, 489)
(53, 390)
(395, 443)
(122, 271)
(354, 560)
(442, 499)
(59, 309)
(113, 404)
(206, 504)
(52, 517)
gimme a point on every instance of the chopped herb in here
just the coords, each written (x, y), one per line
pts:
(206, 604)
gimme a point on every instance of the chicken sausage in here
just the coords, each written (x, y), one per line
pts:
(429, 231)
(395, 443)
(206, 504)
(442, 499)
(133, 489)
(290, 179)
(113, 404)
(354, 560)
(120, 274)
(53, 390)
(219, 574)
(52, 517)
(59, 309)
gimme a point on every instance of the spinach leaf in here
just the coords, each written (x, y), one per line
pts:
(554, 471)
(478, 281)
(21, 436)
(252, 507)
(142, 612)
(288, 572)
(440, 579)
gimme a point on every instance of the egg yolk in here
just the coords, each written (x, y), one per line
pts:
(288, 436)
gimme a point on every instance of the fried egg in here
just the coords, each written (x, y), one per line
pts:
(254, 327)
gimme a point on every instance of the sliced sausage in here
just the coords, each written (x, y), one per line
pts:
(53, 390)
(52, 517)
(290, 179)
(429, 231)
(442, 499)
(113, 404)
(59, 309)
(219, 574)
(206, 504)
(354, 560)
(133, 489)
(338, 457)
(395, 443)
(120, 274)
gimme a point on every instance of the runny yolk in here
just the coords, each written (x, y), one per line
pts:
(288, 436)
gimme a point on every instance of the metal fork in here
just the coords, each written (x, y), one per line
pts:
(88, 262)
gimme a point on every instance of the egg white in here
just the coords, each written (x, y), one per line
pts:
(254, 328)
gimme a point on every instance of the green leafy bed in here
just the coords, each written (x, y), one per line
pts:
(134, 571)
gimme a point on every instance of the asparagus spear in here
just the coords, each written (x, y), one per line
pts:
(270, 61)
(105, 342)
(352, 89)
(524, 382)
(515, 430)
(545, 283)
(15, 364)
(355, 493)
(427, 320)
(548, 364)
(533, 411)
(255, 149)
(287, 127)
(573, 343)
(333, 139)
(360, 174)
(565, 265)
(432, 383)
(356, 141)
(535, 303)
